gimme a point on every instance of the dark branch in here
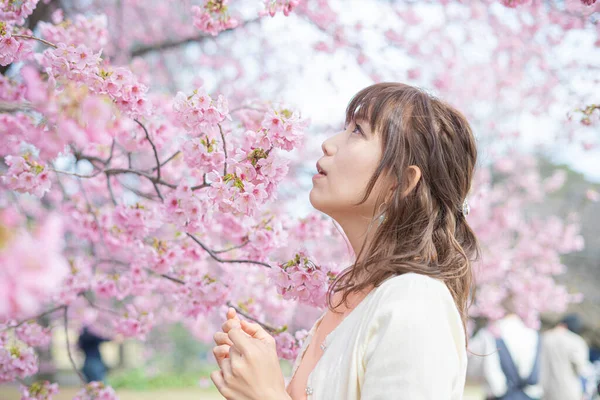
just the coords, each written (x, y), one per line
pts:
(217, 258)
(239, 246)
(167, 160)
(153, 148)
(110, 190)
(66, 322)
(224, 149)
(141, 51)
(115, 171)
(245, 315)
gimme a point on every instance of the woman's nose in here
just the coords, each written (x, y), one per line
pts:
(328, 147)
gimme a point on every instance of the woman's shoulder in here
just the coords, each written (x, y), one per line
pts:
(411, 284)
(414, 293)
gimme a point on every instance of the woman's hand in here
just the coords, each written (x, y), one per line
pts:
(251, 371)
(222, 341)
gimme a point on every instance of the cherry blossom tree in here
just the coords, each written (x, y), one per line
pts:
(135, 193)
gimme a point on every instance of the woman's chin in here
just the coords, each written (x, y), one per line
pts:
(313, 197)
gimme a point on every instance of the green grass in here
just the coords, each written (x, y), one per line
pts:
(138, 379)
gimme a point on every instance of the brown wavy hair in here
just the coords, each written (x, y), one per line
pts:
(424, 232)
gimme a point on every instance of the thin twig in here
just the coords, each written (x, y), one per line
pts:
(239, 246)
(137, 192)
(202, 186)
(75, 174)
(47, 43)
(217, 258)
(66, 321)
(244, 314)
(153, 148)
(114, 171)
(112, 149)
(160, 196)
(168, 159)
(97, 307)
(224, 150)
(172, 279)
(110, 190)
(50, 311)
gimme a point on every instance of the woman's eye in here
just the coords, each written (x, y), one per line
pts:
(357, 130)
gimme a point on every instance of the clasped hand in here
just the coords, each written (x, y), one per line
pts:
(248, 362)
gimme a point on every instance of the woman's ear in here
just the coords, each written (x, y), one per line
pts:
(412, 177)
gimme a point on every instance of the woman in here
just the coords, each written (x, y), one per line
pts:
(395, 179)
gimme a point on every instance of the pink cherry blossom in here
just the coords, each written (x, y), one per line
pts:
(33, 334)
(41, 390)
(96, 391)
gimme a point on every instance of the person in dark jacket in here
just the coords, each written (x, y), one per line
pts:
(94, 368)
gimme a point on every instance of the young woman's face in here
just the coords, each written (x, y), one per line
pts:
(349, 161)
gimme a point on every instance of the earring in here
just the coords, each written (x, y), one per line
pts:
(466, 209)
(382, 216)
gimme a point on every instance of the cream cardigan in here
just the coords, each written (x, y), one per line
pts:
(404, 340)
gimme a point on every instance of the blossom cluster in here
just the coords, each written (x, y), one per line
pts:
(272, 7)
(200, 295)
(12, 48)
(134, 323)
(299, 279)
(81, 64)
(25, 175)
(96, 391)
(213, 17)
(16, 11)
(33, 334)
(41, 390)
(200, 113)
(16, 361)
(92, 32)
(289, 345)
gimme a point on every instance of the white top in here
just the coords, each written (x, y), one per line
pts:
(404, 340)
(521, 342)
(565, 358)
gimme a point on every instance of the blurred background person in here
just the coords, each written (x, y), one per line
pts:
(564, 360)
(94, 368)
(505, 359)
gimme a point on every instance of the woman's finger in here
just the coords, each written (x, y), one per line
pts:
(235, 359)
(222, 338)
(242, 342)
(219, 381)
(256, 331)
(226, 368)
(232, 314)
(230, 324)
(221, 353)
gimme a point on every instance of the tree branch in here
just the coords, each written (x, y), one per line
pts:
(66, 322)
(151, 178)
(224, 150)
(141, 51)
(110, 190)
(47, 43)
(160, 196)
(217, 258)
(167, 160)
(239, 246)
(50, 311)
(245, 315)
